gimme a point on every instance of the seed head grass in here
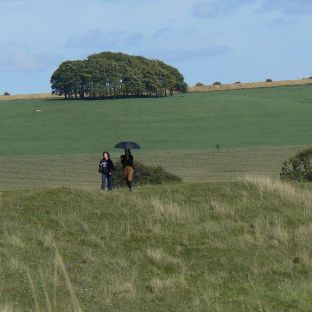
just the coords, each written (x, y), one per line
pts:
(238, 246)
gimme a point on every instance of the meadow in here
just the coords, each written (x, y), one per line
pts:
(195, 121)
(231, 237)
(58, 143)
(235, 246)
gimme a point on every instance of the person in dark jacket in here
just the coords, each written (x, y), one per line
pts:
(106, 167)
(127, 164)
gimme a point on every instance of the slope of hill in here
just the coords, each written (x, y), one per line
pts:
(243, 246)
(34, 96)
(250, 85)
(238, 118)
(204, 88)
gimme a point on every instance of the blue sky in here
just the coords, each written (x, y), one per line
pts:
(207, 40)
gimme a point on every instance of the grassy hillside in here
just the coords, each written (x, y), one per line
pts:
(221, 246)
(196, 121)
(80, 171)
(243, 246)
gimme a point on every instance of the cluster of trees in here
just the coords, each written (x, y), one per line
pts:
(109, 74)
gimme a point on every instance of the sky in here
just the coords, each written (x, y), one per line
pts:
(207, 40)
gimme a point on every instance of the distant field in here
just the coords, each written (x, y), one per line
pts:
(223, 87)
(57, 142)
(195, 121)
(28, 96)
(250, 85)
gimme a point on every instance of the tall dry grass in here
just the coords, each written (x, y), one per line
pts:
(250, 85)
(285, 190)
(6, 308)
(37, 96)
(50, 295)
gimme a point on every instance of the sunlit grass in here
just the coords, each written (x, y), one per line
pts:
(239, 246)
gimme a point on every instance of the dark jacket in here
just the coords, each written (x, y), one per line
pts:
(126, 160)
(106, 166)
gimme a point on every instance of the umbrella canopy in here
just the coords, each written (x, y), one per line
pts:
(127, 145)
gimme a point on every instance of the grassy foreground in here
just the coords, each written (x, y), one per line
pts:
(243, 246)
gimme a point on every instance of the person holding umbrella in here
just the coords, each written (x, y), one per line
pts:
(106, 167)
(127, 161)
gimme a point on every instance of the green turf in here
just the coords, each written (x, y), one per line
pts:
(229, 246)
(80, 171)
(192, 247)
(258, 117)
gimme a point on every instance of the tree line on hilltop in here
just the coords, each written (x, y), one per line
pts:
(109, 74)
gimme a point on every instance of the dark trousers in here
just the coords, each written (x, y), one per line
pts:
(109, 179)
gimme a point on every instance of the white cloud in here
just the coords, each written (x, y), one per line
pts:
(99, 39)
(280, 22)
(162, 32)
(288, 7)
(15, 57)
(187, 54)
(215, 8)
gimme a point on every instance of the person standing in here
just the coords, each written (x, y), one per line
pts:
(106, 167)
(127, 164)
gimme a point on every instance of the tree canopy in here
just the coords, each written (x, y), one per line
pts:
(109, 74)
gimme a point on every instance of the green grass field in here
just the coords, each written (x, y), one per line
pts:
(60, 145)
(80, 171)
(244, 118)
(192, 247)
(223, 240)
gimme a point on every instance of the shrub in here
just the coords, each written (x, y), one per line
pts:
(6, 93)
(269, 80)
(217, 83)
(298, 168)
(199, 84)
(237, 82)
(144, 175)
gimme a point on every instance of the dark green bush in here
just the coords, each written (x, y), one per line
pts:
(144, 175)
(199, 84)
(217, 83)
(269, 80)
(6, 93)
(298, 168)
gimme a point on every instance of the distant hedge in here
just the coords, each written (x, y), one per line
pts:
(144, 175)
(109, 74)
(199, 84)
(298, 168)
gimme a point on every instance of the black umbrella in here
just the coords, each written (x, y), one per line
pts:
(127, 145)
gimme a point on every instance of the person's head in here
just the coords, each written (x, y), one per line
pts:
(106, 155)
(127, 152)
